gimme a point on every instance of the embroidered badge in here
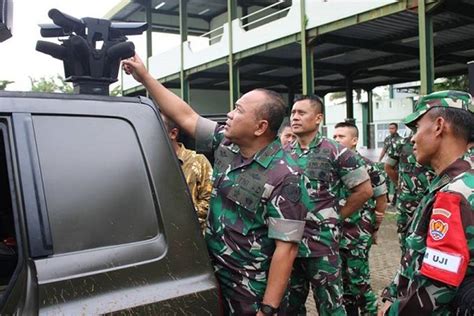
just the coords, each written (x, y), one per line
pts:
(291, 190)
(438, 229)
(441, 211)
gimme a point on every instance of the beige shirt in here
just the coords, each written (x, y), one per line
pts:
(198, 172)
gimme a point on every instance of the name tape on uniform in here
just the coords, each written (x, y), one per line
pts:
(442, 260)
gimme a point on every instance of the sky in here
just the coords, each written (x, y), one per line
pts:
(18, 58)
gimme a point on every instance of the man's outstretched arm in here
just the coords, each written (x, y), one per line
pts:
(169, 103)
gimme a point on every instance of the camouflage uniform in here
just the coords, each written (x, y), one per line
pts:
(389, 142)
(357, 232)
(197, 171)
(328, 166)
(470, 156)
(440, 244)
(413, 180)
(254, 201)
(413, 292)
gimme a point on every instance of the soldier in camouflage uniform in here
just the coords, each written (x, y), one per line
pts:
(388, 142)
(358, 230)
(329, 166)
(412, 178)
(392, 138)
(440, 246)
(286, 135)
(257, 208)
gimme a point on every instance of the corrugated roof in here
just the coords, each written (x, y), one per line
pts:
(374, 53)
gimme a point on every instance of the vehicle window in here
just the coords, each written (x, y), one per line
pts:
(96, 183)
(8, 243)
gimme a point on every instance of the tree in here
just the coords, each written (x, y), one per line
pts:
(51, 84)
(4, 84)
(453, 83)
(59, 84)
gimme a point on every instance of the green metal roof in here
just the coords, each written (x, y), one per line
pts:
(375, 48)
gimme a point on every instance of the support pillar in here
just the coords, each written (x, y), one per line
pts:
(425, 30)
(149, 31)
(307, 57)
(323, 98)
(234, 82)
(367, 118)
(470, 67)
(291, 98)
(183, 32)
(370, 99)
(349, 97)
(245, 12)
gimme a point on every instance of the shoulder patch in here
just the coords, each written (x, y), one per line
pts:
(442, 211)
(291, 189)
(446, 256)
(438, 229)
(460, 185)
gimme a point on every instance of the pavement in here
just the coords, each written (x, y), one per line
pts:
(384, 258)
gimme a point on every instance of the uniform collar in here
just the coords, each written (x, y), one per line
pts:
(181, 152)
(265, 156)
(314, 143)
(453, 170)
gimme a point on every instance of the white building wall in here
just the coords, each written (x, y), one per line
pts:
(337, 113)
(384, 113)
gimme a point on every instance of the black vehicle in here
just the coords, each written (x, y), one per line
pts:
(95, 214)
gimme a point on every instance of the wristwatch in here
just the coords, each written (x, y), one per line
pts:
(268, 309)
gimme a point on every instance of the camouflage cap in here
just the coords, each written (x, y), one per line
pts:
(450, 98)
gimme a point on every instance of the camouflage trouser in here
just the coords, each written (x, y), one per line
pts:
(240, 295)
(324, 275)
(391, 187)
(356, 280)
(403, 217)
(402, 235)
(239, 307)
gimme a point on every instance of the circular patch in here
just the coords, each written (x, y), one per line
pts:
(291, 189)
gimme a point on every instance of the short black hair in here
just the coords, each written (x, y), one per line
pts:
(273, 109)
(314, 100)
(394, 124)
(461, 121)
(169, 123)
(283, 125)
(349, 125)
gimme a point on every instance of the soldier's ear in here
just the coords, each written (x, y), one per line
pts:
(319, 118)
(174, 133)
(262, 127)
(355, 140)
(439, 125)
